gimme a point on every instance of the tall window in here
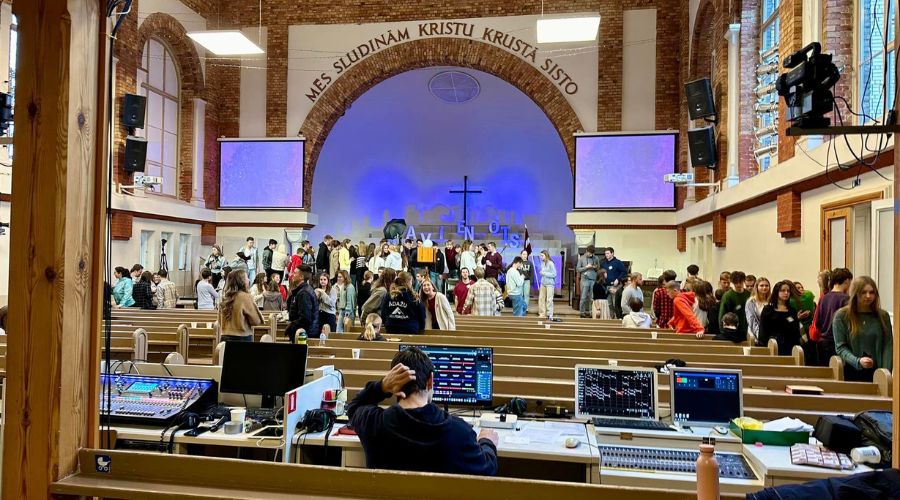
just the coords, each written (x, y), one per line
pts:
(876, 59)
(13, 50)
(157, 79)
(766, 123)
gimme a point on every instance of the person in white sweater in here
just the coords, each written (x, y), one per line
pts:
(438, 312)
(637, 318)
(759, 297)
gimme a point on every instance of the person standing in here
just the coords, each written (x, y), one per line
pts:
(548, 286)
(206, 293)
(362, 257)
(143, 292)
(759, 297)
(402, 312)
(309, 256)
(600, 306)
(280, 261)
(438, 313)
(734, 301)
(481, 299)
(461, 291)
(587, 272)
(493, 261)
(238, 313)
(240, 263)
(661, 304)
(364, 292)
(252, 258)
(166, 292)
(862, 332)
(779, 320)
(323, 256)
(295, 261)
(302, 306)
(682, 319)
(527, 272)
(467, 258)
(393, 260)
(450, 255)
(267, 255)
(633, 290)
(272, 299)
(215, 262)
(123, 292)
(258, 289)
(327, 302)
(514, 284)
(346, 300)
(828, 306)
(615, 278)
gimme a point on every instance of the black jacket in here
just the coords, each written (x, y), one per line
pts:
(402, 315)
(303, 312)
(322, 257)
(425, 439)
(267, 258)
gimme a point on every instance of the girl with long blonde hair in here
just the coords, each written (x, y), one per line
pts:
(862, 332)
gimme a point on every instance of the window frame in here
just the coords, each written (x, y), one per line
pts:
(765, 119)
(884, 48)
(164, 95)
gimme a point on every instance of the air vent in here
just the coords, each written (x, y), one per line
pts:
(454, 87)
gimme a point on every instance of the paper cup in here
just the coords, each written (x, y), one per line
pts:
(546, 327)
(193, 324)
(747, 351)
(356, 352)
(613, 362)
(238, 414)
(654, 335)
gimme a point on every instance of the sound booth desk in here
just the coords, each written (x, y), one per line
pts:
(536, 450)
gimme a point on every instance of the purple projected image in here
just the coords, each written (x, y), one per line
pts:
(261, 174)
(624, 171)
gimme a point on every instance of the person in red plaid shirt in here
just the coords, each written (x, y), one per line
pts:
(663, 306)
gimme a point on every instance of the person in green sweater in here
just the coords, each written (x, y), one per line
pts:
(804, 301)
(734, 301)
(862, 332)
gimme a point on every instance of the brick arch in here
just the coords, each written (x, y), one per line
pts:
(701, 40)
(418, 54)
(171, 32)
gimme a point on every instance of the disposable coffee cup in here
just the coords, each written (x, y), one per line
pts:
(547, 327)
(747, 351)
(356, 352)
(613, 362)
(654, 335)
(238, 415)
(866, 454)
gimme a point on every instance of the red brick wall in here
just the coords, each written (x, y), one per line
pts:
(790, 12)
(207, 233)
(681, 239)
(749, 58)
(719, 238)
(120, 226)
(701, 67)
(837, 39)
(788, 210)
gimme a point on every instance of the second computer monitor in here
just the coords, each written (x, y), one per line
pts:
(711, 397)
(612, 391)
(463, 376)
(265, 368)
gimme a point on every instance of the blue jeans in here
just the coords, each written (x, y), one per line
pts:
(519, 305)
(251, 275)
(436, 281)
(587, 296)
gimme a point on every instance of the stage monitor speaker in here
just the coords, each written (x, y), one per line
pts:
(133, 107)
(700, 99)
(702, 144)
(135, 154)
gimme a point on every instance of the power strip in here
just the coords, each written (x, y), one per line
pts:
(498, 420)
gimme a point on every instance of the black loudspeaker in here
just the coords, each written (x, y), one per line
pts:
(702, 144)
(700, 99)
(133, 108)
(6, 112)
(135, 154)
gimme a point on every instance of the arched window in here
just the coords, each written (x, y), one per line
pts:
(875, 59)
(766, 123)
(158, 81)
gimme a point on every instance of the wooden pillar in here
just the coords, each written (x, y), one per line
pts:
(896, 396)
(55, 255)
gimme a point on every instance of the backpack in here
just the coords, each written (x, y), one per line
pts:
(877, 430)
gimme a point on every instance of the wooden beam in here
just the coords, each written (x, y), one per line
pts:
(52, 253)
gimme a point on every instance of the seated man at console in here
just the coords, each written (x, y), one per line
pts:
(414, 434)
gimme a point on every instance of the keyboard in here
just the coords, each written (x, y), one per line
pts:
(647, 425)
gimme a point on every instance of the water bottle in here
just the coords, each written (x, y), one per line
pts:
(707, 473)
(322, 339)
(301, 337)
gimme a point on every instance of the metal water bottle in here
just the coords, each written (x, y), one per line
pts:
(707, 473)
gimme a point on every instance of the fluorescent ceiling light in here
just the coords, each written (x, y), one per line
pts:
(570, 29)
(225, 42)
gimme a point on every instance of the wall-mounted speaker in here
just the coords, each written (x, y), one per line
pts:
(700, 99)
(133, 109)
(135, 154)
(702, 144)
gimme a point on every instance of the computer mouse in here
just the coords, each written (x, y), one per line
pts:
(572, 442)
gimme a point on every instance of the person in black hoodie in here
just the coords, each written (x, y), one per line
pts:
(414, 434)
(323, 256)
(302, 306)
(401, 311)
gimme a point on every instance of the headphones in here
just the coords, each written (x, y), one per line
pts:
(317, 420)
(516, 406)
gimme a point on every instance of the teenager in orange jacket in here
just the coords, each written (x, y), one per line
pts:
(683, 319)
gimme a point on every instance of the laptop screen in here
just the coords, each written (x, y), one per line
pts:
(606, 391)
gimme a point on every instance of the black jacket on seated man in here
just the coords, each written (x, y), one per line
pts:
(423, 438)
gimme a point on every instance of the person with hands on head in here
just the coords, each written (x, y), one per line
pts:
(413, 434)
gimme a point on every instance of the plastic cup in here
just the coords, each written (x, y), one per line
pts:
(654, 335)
(238, 414)
(747, 351)
(356, 353)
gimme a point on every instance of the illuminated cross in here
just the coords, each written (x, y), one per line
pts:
(465, 192)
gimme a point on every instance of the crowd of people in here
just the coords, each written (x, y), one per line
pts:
(339, 283)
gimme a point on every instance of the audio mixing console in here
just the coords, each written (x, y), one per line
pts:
(139, 399)
(731, 465)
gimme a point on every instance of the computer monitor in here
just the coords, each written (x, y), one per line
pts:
(711, 397)
(463, 376)
(266, 368)
(613, 391)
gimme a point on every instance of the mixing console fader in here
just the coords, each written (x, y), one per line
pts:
(731, 465)
(140, 399)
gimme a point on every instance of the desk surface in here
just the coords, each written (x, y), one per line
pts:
(775, 461)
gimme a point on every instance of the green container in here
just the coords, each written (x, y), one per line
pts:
(773, 438)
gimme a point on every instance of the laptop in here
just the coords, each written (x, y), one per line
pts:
(618, 397)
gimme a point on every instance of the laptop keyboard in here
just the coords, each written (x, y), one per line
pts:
(648, 425)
